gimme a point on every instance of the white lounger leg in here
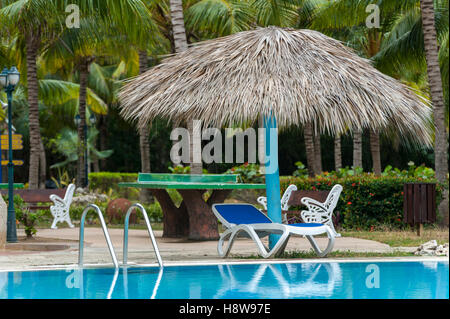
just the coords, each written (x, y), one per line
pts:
(329, 247)
(264, 252)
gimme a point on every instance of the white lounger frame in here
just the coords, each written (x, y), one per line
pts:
(258, 231)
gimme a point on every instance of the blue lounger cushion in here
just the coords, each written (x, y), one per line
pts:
(242, 214)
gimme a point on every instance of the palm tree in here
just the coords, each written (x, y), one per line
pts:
(102, 23)
(181, 44)
(435, 82)
(29, 21)
(66, 144)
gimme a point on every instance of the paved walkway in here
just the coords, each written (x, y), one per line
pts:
(60, 247)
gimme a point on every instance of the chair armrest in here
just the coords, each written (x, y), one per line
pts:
(309, 201)
(56, 199)
(263, 201)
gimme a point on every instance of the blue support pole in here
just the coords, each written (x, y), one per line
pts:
(272, 175)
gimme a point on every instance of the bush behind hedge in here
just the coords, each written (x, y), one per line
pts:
(367, 201)
(108, 182)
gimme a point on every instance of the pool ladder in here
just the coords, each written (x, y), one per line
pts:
(125, 236)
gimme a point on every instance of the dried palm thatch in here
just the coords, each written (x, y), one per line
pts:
(299, 76)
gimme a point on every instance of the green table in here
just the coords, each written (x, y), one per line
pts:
(193, 218)
(16, 185)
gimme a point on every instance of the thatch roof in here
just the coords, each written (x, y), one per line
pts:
(298, 75)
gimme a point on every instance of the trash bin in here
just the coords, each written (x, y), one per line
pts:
(419, 204)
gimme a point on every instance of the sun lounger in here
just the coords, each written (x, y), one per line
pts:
(246, 220)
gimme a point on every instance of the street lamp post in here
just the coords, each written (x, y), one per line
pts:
(8, 80)
(92, 121)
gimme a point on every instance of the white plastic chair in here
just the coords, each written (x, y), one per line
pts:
(248, 221)
(322, 212)
(284, 202)
(60, 209)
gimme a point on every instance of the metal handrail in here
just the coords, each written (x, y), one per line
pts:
(150, 232)
(105, 232)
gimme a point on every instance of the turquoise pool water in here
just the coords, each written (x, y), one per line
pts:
(355, 280)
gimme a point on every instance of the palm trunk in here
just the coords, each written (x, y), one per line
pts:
(310, 152)
(180, 42)
(178, 29)
(437, 97)
(318, 154)
(84, 73)
(43, 166)
(196, 167)
(337, 152)
(176, 221)
(357, 149)
(32, 46)
(144, 132)
(375, 151)
(103, 142)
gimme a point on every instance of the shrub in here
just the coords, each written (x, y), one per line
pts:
(301, 170)
(249, 173)
(108, 183)
(180, 169)
(413, 171)
(26, 217)
(367, 201)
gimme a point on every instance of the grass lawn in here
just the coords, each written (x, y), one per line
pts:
(334, 254)
(402, 238)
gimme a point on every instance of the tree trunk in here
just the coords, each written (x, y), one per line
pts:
(175, 219)
(437, 97)
(84, 73)
(310, 152)
(375, 151)
(181, 44)
(337, 153)
(103, 141)
(357, 149)
(144, 132)
(196, 166)
(43, 166)
(178, 29)
(318, 154)
(32, 46)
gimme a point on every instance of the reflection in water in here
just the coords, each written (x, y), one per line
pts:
(125, 283)
(292, 280)
(311, 279)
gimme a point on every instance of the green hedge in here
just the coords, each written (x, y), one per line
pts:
(107, 183)
(367, 201)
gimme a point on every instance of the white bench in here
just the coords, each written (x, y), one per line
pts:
(61, 207)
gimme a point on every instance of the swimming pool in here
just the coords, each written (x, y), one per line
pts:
(342, 280)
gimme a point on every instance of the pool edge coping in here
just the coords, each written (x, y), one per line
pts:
(235, 262)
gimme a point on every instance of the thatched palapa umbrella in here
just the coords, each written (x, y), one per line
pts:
(296, 76)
